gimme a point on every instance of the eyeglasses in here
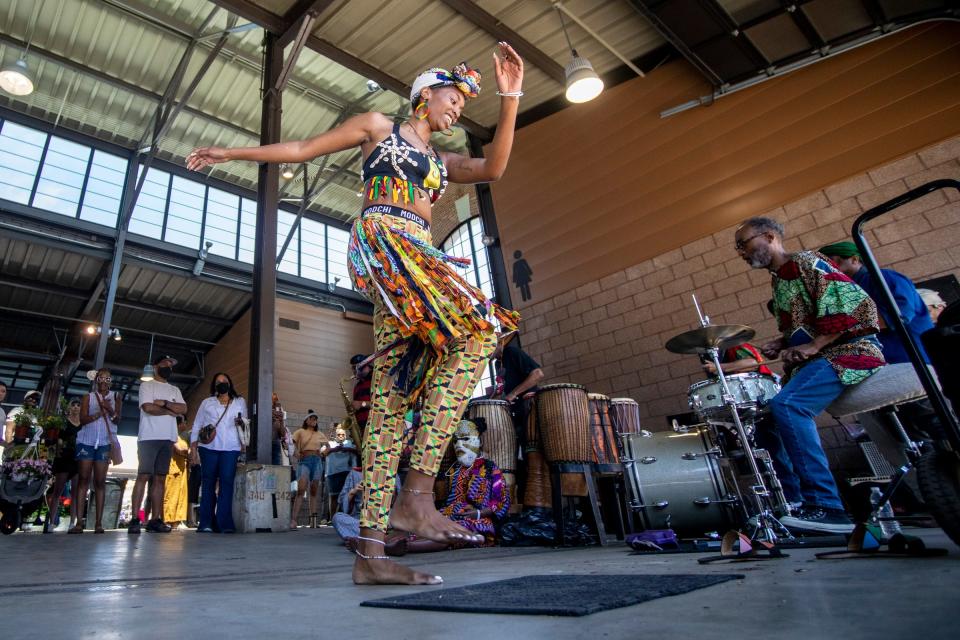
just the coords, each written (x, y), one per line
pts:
(740, 245)
(104, 379)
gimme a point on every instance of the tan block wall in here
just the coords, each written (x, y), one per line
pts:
(444, 215)
(609, 333)
(309, 361)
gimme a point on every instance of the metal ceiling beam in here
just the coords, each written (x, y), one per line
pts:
(118, 83)
(301, 33)
(275, 24)
(667, 34)
(300, 11)
(496, 28)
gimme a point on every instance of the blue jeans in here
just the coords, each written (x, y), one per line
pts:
(794, 443)
(217, 467)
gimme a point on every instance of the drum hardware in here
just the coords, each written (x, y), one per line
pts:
(663, 504)
(690, 455)
(707, 341)
(706, 501)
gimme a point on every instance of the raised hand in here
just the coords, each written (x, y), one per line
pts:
(206, 156)
(508, 69)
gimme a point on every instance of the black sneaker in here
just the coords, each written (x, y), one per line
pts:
(814, 519)
(134, 526)
(158, 526)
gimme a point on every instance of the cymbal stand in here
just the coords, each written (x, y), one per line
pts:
(768, 529)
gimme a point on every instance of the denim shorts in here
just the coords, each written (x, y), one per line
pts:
(311, 465)
(90, 452)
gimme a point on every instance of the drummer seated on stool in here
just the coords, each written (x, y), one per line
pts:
(744, 358)
(828, 326)
(913, 310)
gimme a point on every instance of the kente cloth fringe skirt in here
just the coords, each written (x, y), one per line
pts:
(434, 335)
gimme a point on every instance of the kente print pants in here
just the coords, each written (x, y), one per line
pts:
(445, 399)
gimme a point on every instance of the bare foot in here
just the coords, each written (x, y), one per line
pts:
(416, 513)
(389, 572)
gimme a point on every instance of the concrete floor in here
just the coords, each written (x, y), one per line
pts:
(297, 585)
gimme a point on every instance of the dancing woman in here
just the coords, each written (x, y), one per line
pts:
(433, 330)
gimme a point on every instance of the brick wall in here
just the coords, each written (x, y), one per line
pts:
(444, 215)
(609, 334)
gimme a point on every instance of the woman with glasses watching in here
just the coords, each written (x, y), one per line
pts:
(99, 415)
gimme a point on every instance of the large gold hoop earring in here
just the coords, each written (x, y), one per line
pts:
(426, 110)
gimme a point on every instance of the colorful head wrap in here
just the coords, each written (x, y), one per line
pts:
(462, 77)
(843, 249)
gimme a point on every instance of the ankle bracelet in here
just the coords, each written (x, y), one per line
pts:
(418, 492)
(372, 540)
(371, 557)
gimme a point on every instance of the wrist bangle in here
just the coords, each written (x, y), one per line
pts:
(509, 94)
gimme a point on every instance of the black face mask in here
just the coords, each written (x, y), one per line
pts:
(222, 387)
(164, 372)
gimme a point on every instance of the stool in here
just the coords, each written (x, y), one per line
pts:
(586, 469)
(614, 472)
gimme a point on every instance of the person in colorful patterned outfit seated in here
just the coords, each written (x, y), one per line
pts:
(434, 330)
(828, 341)
(478, 496)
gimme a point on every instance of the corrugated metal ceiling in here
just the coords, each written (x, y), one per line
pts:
(399, 37)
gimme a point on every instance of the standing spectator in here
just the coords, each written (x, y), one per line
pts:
(175, 493)
(160, 404)
(308, 442)
(281, 449)
(3, 414)
(341, 455)
(935, 304)
(99, 415)
(30, 401)
(218, 456)
(361, 391)
(65, 467)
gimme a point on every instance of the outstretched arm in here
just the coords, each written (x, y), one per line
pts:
(463, 169)
(352, 133)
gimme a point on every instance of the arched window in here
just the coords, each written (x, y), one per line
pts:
(466, 241)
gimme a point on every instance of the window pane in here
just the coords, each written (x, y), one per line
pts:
(101, 202)
(61, 178)
(147, 219)
(337, 260)
(185, 214)
(291, 259)
(20, 151)
(221, 226)
(248, 230)
(312, 255)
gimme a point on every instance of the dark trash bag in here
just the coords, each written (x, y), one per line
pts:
(535, 526)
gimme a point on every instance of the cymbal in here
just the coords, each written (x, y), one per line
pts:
(722, 336)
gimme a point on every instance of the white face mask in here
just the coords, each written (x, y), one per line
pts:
(466, 457)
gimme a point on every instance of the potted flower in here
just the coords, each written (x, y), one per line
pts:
(26, 471)
(51, 426)
(24, 424)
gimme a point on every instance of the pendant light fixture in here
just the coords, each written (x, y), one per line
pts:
(583, 83)
(15, 78)
(147, 374)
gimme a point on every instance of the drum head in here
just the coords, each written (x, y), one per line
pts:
(486, 401)
(561, 385)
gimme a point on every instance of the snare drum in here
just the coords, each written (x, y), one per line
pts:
(601, 430)
(749, 391)
(675, 484)
(499, 441)
(563, 414)
(625, 415)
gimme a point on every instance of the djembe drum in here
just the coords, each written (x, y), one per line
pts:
(601, 430)
(563, 414)
(499, 441)
(538, 489)
(625, 415)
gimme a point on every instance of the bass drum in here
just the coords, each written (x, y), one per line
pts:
(671, 488)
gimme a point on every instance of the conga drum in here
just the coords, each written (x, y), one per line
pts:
(533, 430)
(510, 480)
(563, 413)
(625, 415)
(601, 430)
(499, 441)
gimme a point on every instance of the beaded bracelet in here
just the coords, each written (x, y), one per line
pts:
(510, 94)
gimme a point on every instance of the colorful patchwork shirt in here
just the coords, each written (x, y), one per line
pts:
(812, 298)
(480, 487)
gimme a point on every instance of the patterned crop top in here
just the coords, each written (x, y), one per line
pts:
(396, 166)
